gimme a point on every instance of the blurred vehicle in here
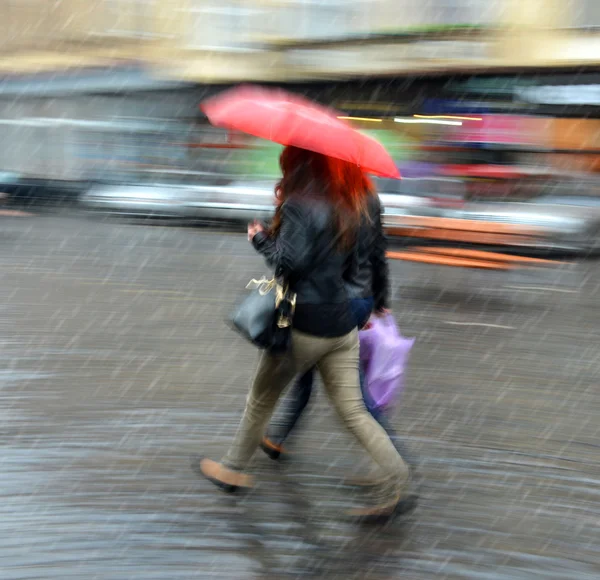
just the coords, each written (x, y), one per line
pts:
(219, 199)
(548, 223)
(30, 191)
(566, 223)
(158, 200)
(24, 191)
(233, 201)
(424, 210)
(420, 192)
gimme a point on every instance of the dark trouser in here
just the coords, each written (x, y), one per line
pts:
(302, 391)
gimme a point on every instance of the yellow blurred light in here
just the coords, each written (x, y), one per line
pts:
(448, 117)
(361, 119)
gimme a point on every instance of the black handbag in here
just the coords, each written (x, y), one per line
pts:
(265, 317)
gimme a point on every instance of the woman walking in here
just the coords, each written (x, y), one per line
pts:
(320, 210)
(369, 293)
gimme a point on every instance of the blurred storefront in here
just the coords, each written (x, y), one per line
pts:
(93, 124)
(576, 145)
(107, 88)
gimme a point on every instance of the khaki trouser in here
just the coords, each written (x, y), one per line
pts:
(337, 362)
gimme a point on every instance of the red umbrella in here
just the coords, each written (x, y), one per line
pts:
(291, 120)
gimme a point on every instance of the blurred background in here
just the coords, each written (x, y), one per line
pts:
(489, 108)
(115, 362)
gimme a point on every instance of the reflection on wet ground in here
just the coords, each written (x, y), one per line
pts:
(116, 367)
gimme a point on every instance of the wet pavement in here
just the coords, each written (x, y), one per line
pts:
(117, 366)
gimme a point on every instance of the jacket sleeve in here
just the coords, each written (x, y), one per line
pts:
(288, 253)
(379, 262)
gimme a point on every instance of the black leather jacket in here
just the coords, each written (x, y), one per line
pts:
(305, 254)
(372, 278)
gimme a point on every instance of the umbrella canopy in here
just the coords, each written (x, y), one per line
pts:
(292, 120)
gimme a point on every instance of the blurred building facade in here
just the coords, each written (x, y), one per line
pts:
(231, 40)
(97, 87)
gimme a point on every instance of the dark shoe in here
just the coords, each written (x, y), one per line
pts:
(397, 507)
(273, 450)
(224, 478)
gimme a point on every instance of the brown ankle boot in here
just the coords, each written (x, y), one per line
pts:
(273, 450)
(223, 477)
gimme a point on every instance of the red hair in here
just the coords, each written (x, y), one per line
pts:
(345, 185)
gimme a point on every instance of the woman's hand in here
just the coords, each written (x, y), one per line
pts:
(382, 313)
(253, 229)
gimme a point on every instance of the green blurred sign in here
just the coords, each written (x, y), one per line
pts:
(261, 161)
(398, 145)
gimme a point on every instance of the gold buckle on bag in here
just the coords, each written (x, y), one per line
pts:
(284, 321)
(264, 286)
